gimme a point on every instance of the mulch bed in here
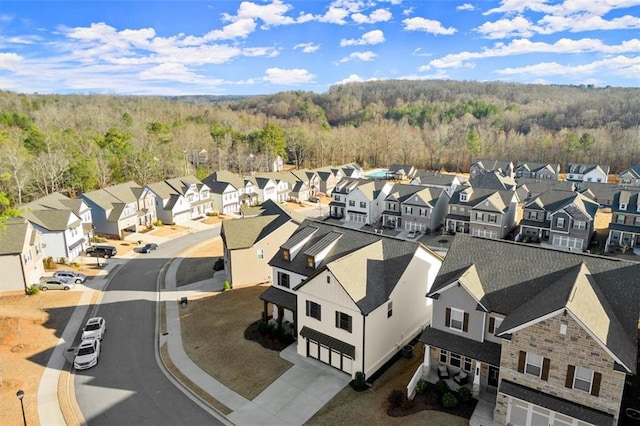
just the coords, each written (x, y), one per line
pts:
(429, 401)
(266, 340)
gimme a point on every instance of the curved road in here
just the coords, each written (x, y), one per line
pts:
(127, 386)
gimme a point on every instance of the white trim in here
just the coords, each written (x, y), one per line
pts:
(532, 322)
(457, 281)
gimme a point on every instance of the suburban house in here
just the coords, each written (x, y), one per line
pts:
(414, 208)
(401, 172)
(536, 187)
(365, 200)
(182, 199)
(310, 179)
(327, 178)
(225, 197)
(60, 221)
(494, 180)
(482, 212)
(601, 193)
(117, 209)
(505, 168)
(587, 172)
(538, 171)
(553, 334)
(446, 181)
(266, 188)
(631, 176)
(624, 229)
(247, 195)
(352, 170)
(251, 241)
(21, 256)
(560, 219)
(353, 297)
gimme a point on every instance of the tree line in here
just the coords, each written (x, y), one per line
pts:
(77, 143)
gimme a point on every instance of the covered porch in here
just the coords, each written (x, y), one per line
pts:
(457, 224)
(282, 301)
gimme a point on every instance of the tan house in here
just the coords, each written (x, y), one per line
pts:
(554, 334)
(21, 256)
(250, 242)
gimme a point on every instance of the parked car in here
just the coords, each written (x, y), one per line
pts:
(87, 355)
(413, 234)
(70, 276)
(101, 251)
(95, 329)
(55, 284)
(147, 248)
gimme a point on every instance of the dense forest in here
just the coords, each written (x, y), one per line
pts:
(77, 143)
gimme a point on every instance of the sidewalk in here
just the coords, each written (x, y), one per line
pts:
(291, 400)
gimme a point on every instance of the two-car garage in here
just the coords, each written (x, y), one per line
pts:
(329, 350)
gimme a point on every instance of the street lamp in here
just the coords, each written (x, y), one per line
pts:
(20, 395)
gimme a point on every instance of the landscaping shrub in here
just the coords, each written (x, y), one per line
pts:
(442, 387)
(421, 386)
(49, 263)
(449, 400)
(158, 223)
(395, 398)
(33, 290)
(464, 395)
(227, 285)
(62, 261)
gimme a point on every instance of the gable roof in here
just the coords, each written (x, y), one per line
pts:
(504, 167)
(603, 294)
(555, 200)
(367, 265)
(493, 180)
(245, 232)
(225, 176)
(475, 196)
(436, 178)
(14, 235)
(633, 171)
(53, 212)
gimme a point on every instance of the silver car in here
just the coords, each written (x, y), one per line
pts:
(55, 284)
(70, 276)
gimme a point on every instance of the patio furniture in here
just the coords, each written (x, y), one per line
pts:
(443, 372)
(461, 378)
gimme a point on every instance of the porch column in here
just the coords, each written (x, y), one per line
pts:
(426, 365)
(266, 310)
(475, 390)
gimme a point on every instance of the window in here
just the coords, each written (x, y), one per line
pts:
(467, 364)
(493, 218)
(283, 279)
(623, 206)
(582, 379)
(620, 219)
(363, 204)
(454, 208)
(352, 203)
(534, 365)
(560, 222)
(455, 360)
(311, 262)
(389, 309)
(328, 279)
(494, 324)
(463, 197)
(443, 356)
(343, 321)
(260, 253)
(579, 224)
(457, 319)
(479, 216)
(637, 221)
(285, 254)
(314, 310)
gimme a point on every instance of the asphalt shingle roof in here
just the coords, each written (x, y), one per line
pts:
(13, 236)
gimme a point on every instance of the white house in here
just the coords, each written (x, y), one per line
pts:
(587, 172)
(21, 256)
(181, 199)
(365, 203)
(354, 298)
(266, 188)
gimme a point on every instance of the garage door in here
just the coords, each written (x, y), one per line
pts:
(485, 233)
(329, 350)
(522, 413)
(414, 226)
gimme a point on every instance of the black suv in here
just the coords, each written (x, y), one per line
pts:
(101, 251)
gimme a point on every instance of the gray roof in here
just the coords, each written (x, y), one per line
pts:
(435, 178)
(245, 232)
(530, 281)
(14, 235)
(633, 170)
(280, 297)
(556, 200)
(115, 197)
(493, 180)
(367, 265)
(225, 176)
(486, 351)
(491, 165)
(501, 199)
(632, 198)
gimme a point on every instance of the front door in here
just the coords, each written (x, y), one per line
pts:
(494, 372)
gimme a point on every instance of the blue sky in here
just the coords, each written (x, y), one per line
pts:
(224, 47)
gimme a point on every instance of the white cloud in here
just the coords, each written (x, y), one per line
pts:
(466, 6)
(288, 76)
(584, 22)
(362, 56)
(372, 37)
(379, 15)
(10, 61)
(506, 28)
(170, 71)
(519, 6)
(524, 46)
(334, 15)
(624, 66)
(427, 25)
(307, 47)
(418, 52)
(353, 78)
(272, 14)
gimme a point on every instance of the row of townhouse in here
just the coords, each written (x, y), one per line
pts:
(576, 172)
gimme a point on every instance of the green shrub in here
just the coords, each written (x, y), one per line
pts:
(157, 223)
(359, 379)
(74, 264)
(449, 400)
(421, 386)
(464, 395)
(62, 261)
(263, 327)
(33, 290)
(395, 398)
(49, 263)
(442, 387)
(227, 285)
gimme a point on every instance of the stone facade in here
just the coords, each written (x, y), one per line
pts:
(577, 348)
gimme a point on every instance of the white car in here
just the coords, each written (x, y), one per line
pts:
(55, 284)
(87, 355)
(95, 329)
(70, 276)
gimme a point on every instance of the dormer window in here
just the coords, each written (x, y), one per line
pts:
(623, 206)
(463, 196)
(311, 262)
(286, 255)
